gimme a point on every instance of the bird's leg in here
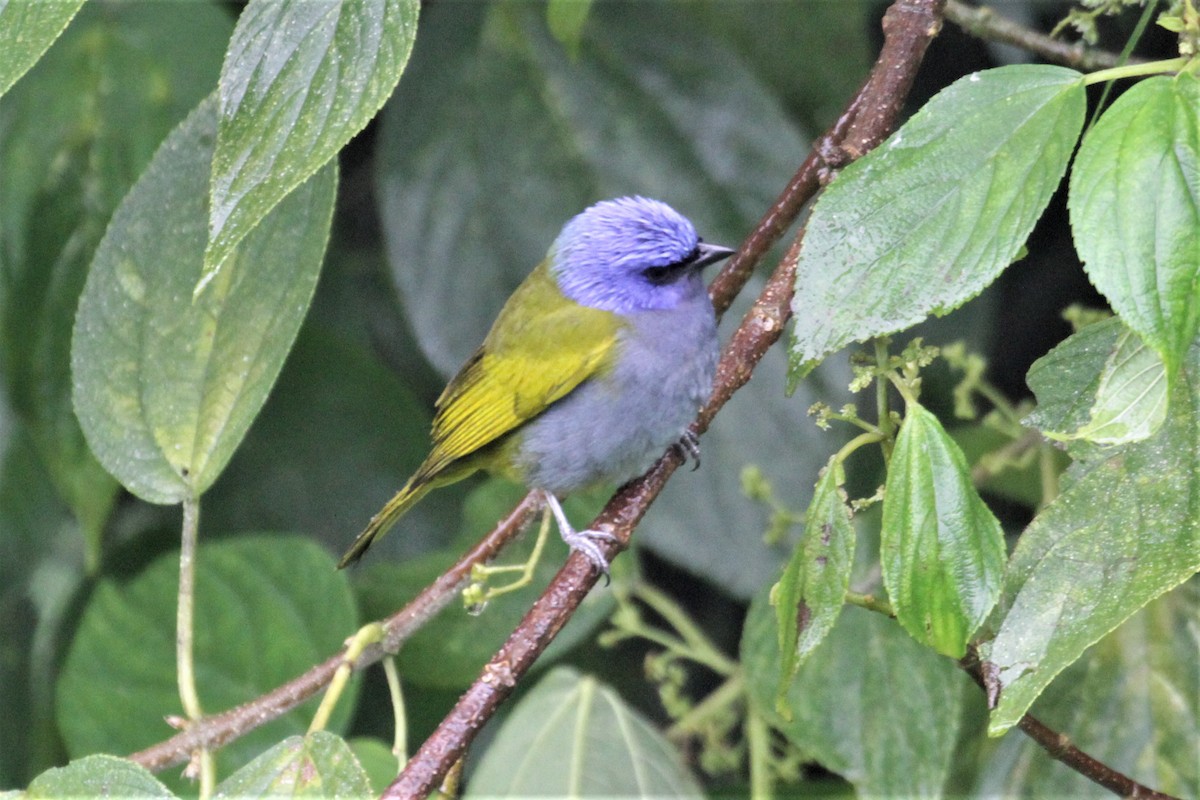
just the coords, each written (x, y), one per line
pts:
(586, 542)
(688, 448)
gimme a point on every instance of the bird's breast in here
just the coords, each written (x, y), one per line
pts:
(613, 426)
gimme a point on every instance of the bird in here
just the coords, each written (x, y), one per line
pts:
(596, 364)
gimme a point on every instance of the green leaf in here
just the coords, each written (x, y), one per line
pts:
(74, 135)
(1132, 702)
(1108, 374)
(566, 19)
(942, 550)
(1125, 529)
(300, 79)
(572, 736)
(449, 650)
(810, 596)
(928, 219)
(1067, 379)
(267, 609)
(1131, 400)
(556, 122)
(97, 776)
(353, 432)
(377, 760)
(165, 387)
(318, 765)
(26, 31)
(872, 705)
(1135, 211)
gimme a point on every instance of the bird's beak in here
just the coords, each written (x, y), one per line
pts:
(710, 254)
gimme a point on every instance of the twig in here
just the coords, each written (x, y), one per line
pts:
(985, 23)
(1058, 745)
(909, 25)
(1061, 748)
(214, 731)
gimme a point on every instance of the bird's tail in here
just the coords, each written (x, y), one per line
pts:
(398, 506)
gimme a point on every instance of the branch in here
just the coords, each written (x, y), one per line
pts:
(908, 26)
(985, 23)
(214, 731)
(1061, 748)
(1058, 745)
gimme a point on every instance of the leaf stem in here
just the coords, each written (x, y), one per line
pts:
(371, 633)
(758, 740)
(400, 737)
(858, 441)
(871, 603)
(184, 636)
(185, 666)
(1136, 70)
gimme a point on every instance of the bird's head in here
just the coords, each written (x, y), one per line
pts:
(631, 254)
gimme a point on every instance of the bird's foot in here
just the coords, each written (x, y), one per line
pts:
(587, 542)
(688, 448)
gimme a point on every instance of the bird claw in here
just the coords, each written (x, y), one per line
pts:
(688, 448)
(588, 544)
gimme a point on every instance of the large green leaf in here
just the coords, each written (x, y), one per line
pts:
(1132, 701)
(942, 550)
(267, 608)
(300, 79)
(74, 135)
(352, 432)
(572, 736)
(96, 776)
(1135, 211)
(1125, 529)
(929, 218)
(496, 137)
(318, 765)
(165, 387)
(872, 704)
(810, 595)
(1102, 385)
(26, 30)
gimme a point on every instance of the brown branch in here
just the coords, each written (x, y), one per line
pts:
(985, 23)
(909, 25)
(214, 731)
(1059, 745)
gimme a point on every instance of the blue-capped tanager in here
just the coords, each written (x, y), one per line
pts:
(597, 363)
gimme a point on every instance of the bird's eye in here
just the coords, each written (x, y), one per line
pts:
(659, 275)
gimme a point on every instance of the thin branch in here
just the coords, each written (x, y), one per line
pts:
(219, 729)
(1061, 748)
(1058, 745)
(985, 23)
(909, 25)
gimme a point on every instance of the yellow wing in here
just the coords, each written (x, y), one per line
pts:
(541, 346)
